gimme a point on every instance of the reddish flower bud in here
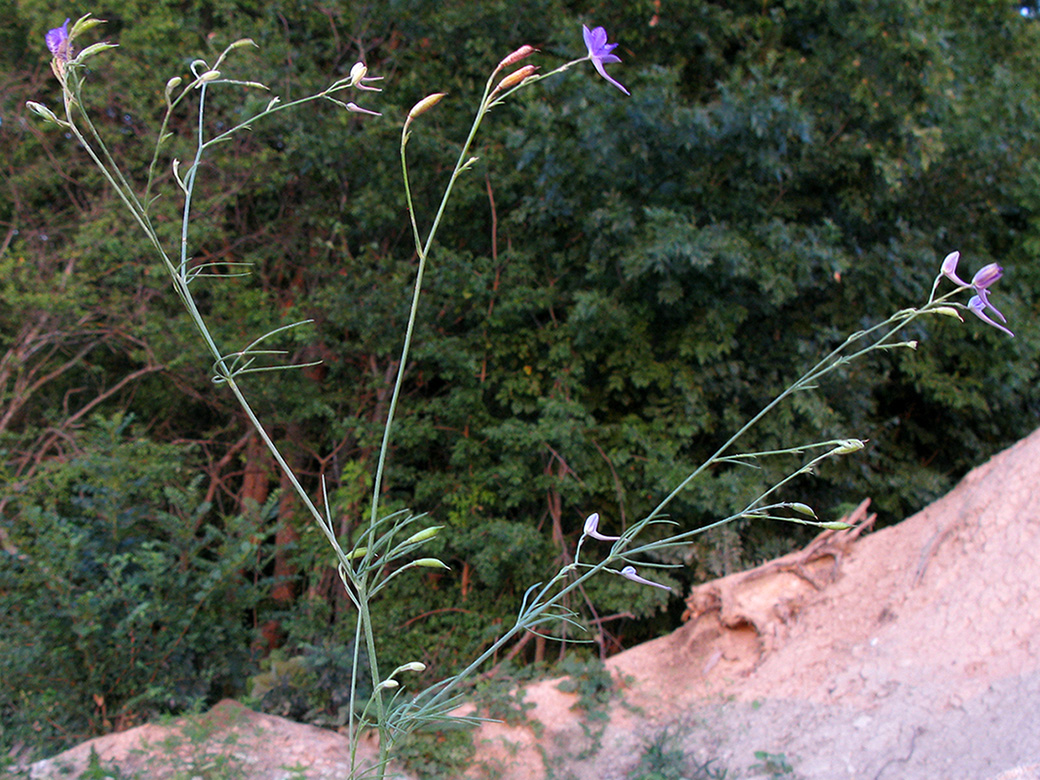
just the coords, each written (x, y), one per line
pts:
(515, 78)
(522, 53)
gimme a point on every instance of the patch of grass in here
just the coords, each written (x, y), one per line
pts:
(664, 759)
(772, 765)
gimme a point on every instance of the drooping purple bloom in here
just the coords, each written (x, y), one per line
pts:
(592, 529)
(978, 305)
(58, 42)
(600, 52)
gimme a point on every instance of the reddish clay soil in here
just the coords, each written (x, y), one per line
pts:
(911, 653)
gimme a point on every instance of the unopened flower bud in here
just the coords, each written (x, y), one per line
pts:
(208, 76)
(171, 85)
(425, 104)
(388, 685)
(414, 666)
(847, 447)
(516, 77)
(423, 535)
(41, 110)
(949, 311)
(836, 525)
(511, 59)
(93, 49)
(431, 563)
(803, 509)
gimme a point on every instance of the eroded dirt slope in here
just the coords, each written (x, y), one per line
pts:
(912, 653)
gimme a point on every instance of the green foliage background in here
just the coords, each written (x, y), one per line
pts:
(623, 282)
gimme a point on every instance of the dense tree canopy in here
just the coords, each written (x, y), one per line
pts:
(622, 281)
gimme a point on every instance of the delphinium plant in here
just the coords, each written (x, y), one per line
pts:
(391, 544)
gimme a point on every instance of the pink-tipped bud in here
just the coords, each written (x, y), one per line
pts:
(523, 52)
(515, 77)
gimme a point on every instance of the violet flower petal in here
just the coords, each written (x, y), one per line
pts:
(987, 304)
(58, 41)
(977, 307)
(986, 276)
(600, 53)
(949, 269)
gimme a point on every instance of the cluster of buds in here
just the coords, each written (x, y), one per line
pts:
(518, 75)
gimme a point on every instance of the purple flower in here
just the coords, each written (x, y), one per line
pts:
(58, 42)
(978, 305)
(983, 279)
(949, 269)
(986, 276)
(592, 529)
(629, 573)
(600, 52)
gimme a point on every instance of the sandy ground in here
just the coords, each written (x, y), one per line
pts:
(912, 653)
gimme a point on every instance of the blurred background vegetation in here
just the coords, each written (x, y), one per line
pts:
(623, 281)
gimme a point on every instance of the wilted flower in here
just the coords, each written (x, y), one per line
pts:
(629, 573)
(592, 529)
(600, 52)
(58, 42)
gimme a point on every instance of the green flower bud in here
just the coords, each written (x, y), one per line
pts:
(430, 563)
(42, 111)
(425, 104)
(423, 535)
(847, 447)
(949, 311)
